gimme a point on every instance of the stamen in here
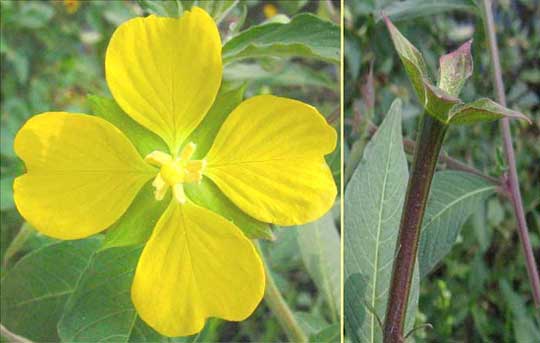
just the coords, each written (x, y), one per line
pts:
(158, 158)
(174, 172)
(160, 187)
(188, 151)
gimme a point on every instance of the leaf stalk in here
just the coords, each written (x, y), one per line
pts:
(428, 146)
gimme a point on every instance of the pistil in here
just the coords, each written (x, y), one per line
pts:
(175, 172)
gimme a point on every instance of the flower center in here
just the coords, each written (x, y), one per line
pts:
(174, 172)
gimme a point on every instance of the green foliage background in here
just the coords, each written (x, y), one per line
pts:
(52, 59)
(480, 291)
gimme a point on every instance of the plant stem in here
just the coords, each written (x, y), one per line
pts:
(278, 306)
(451, 163)
(512, 183)
(426, 155)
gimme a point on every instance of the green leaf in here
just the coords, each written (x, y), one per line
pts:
(35, 290)
(226, 101)
(136, 224)
(162, 8)
(455, 68)
(412, 60)
(482, 110)
(288, 74)
(330, 334)
(100, 308)
(208, 195)
(311, 323)
(306, 35)
(6, 196)
(438, 102)
(525, 329)
(34, 15)
(453, 198)
(217, 9)
(319, 244)
(334, 162)
(434, 100)
(143, 139)
(373, 204)
(410, 9)
(354, 303)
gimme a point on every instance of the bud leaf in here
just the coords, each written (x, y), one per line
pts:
(455, 68)
(482, 110)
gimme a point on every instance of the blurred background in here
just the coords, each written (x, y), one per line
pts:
(52, 57)
(480, 293)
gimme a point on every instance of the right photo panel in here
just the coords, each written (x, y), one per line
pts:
(441, 171)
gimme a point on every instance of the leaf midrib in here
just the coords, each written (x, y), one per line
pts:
(379, 224)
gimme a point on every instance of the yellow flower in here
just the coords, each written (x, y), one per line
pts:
(268, 158)
(270, 10)
(72, 5)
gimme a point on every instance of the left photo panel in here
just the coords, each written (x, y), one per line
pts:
(170, 171)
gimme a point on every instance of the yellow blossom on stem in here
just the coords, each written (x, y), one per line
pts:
(82, 173)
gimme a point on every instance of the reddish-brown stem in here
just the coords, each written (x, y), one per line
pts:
(512, 183)
(426, 155)
(450, 162)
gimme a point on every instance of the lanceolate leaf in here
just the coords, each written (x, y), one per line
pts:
(453, 198)
(35, 290)
(455, 68)
(371, 227)
(100, 309)
(306, 35)
(411, 58)
(482, 110)
(409, 9)
(320, 250)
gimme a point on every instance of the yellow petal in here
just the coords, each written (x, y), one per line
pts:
(268, 159)
(196, 265)
(82, 174)
(165, 72)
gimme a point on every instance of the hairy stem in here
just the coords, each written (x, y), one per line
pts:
(426, 155)
(512, 182)
(279, 307)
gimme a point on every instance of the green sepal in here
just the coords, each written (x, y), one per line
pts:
(455, 68)
(482, 110)
(208, 195)
(144, 140)
(226, 101)
(136, 224)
